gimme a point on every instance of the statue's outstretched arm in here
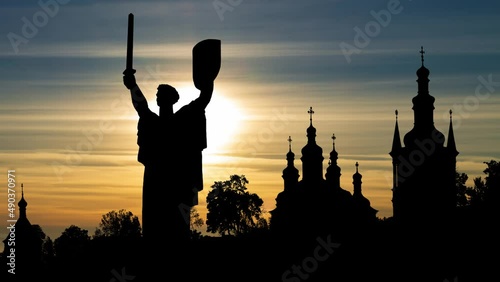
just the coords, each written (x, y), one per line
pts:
(138, 99)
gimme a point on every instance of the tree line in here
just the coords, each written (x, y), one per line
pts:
(233, 211)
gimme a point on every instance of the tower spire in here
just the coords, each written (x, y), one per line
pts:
(423, 75)
(356, 180)
(290, 156)
(333, 170)
(451, 137)
(312, 155)
(423, 108)
(396, 140)
(290, 173)
(22, 204)
(311, 131)
(363, 212)
(333, 154)
(395, 152)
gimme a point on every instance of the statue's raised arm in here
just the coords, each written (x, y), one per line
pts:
(138, 99)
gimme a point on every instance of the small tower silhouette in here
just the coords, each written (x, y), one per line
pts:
(27, 245)
(452, 147)
(396, 150)
(22, 207)
(312, 155)
(364, 213)
(290, 173)
(356, 181)
(333, 170)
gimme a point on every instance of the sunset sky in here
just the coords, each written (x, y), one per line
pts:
(69, 130)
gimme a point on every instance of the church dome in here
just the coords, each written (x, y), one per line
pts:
(420, 134)
(423, 72)
(356, 177)
(312, 150)
(334, 155)
(311, 131)
(22, 203)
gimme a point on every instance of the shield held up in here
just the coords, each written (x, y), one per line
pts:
(206, 61)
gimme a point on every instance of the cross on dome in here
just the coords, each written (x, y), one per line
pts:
(422, 52)
(310, 112)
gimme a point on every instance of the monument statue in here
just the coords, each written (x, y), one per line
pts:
(171, 144)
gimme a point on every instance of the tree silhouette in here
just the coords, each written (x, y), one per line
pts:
(492, 183)
(460, 180)
(232, 210)
(477, 193)
(486, 192)
(119, 224)
(72, 243)
(48, 250)
(46, 244)
(195, 222)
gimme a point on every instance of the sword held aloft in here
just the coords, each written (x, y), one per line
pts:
(130, 45)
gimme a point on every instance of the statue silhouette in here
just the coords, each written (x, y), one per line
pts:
(170, 148)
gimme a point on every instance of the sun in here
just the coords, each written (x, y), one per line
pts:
(224, 117)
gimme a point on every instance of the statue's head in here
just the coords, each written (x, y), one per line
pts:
(166, 95)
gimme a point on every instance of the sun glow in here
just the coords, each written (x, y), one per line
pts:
(224, 118)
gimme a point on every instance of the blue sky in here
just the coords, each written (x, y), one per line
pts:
(63, 84)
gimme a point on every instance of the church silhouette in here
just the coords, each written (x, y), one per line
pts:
(315, 204)
(424, 205)
(22, 248)
(423, 179)
(424, 169)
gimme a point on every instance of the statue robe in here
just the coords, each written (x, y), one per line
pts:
(191, 136)
(174, 151)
